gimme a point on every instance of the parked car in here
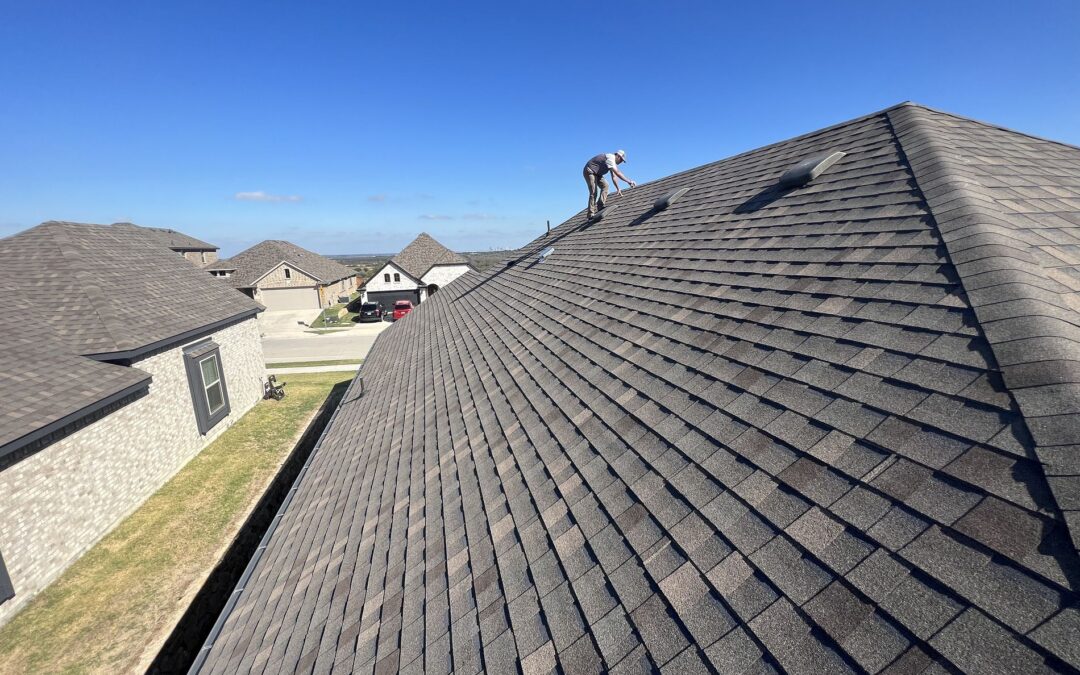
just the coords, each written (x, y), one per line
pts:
(401, 308)
(370, 311)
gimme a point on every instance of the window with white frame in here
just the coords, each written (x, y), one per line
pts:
(206, 379)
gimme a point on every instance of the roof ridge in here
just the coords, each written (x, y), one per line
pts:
(1025, 324)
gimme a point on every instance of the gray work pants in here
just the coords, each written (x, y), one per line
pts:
(597, 191)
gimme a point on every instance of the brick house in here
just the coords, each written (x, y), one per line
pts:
(147, 360)
(195, 251)
(421, 269)
(282, 275)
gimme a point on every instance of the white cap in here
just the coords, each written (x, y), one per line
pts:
(621, 154)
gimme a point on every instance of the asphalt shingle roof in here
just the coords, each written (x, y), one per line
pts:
(252, 264)
(72, 290)
(176, 241)
(423, 253)
(758, 431)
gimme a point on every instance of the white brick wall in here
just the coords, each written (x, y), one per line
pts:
(444, 274)
(378, 284)
(58, 502)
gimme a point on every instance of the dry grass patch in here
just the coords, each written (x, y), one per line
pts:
(111, 611)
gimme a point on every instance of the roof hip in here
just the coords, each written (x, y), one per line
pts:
(1022, 307)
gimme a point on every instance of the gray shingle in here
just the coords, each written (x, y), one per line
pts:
(764, 429)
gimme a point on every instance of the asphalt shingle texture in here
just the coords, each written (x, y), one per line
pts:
(758, 431)
(73, 290)
(171, 239)
(252, 264)
(423, 253)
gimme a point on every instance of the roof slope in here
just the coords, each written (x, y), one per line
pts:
(423, 253)
(760, 430)
(254, 263)
(72, 290)
(172, 239)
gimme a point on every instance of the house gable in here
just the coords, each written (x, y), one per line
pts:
(404, 281)
(285, 275)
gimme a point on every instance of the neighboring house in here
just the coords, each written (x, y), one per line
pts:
(195, 251)
(120, 362)
(281, 275)
(830, 427)
(421, 269)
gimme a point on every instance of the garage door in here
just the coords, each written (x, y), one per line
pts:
(289, 298)
(388, 298)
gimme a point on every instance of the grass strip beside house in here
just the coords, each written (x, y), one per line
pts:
(312, 364)
(111, 610)
(331, 313)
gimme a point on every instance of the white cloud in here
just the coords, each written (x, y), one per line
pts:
(435, 216)
(260, 196)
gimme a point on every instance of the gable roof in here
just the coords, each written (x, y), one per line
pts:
(72, 290)
(172, 239)
(256, 262)
(762, 429)
(423, 253)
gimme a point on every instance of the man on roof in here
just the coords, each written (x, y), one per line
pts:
(594, 172)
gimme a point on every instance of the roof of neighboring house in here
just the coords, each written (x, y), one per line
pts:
(71, 290)
(177, 241)
(256, 262)
(830, 428)
(423, 253)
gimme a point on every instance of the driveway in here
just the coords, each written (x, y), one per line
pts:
(353, 343)
(285, 322)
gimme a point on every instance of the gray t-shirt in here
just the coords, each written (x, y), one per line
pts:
(601, 164)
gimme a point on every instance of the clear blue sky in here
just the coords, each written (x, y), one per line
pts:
(370, 122)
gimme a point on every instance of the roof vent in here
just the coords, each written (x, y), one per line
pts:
(545, 253)
(809, 169)
(669, 199)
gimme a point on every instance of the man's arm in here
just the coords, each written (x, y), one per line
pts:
(615, 172)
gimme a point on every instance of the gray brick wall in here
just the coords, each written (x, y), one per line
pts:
(58, 502)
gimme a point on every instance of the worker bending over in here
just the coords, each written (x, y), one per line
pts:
(594, 178)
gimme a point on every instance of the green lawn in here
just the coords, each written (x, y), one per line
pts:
(346, 320)
(112, 610)
(304, 364)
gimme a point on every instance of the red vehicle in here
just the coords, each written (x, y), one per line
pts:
(401, 308)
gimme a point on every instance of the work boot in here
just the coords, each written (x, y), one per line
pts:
(591, 214)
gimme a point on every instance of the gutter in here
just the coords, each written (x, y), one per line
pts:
(165, 342)
(56, 425)
(241, 585)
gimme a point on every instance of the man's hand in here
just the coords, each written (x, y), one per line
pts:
(632, 183)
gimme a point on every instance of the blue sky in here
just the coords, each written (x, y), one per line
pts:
(350, 127)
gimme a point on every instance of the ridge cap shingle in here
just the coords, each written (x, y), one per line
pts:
(1044, 330)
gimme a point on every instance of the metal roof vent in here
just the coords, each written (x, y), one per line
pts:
(669, 199)
(809, 169)
(545, 253)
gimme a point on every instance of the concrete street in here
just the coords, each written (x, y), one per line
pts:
(283, 339)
